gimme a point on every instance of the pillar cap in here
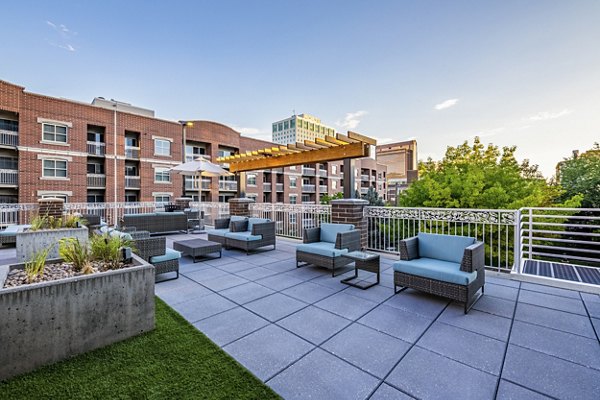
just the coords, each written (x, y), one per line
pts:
(241, 200)
(184, 198)
(350, 202)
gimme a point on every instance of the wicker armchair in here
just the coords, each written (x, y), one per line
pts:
(155, 251)
(324, 246)
(443, 265)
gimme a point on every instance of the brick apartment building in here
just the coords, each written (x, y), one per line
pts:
(111, 151)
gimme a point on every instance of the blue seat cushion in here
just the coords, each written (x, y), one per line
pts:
(252, 221)
(169, 255)
(11, 230)
(244, 236)
(443, 247)
(169, 213)
(329, 231)
(444, 271)
(218, 232)
(122, 235)
(322, 249)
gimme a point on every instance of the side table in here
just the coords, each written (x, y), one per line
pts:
(366, 262)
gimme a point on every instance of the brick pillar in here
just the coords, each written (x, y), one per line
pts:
(51, 207)
(240, 206)
(351, 211)
(183, 202)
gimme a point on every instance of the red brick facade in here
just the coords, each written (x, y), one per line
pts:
(32, 110)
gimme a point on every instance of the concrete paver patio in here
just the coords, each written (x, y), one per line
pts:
(308, 336)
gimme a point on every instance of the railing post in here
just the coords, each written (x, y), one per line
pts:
(530, 233)
(517, 243)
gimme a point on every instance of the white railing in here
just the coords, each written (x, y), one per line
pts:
(308, 188)
(96, 180)
(9, 177)
(308, 171)
(496, 228)
(323, 188)
(192, 183)
(132, 152)
(212, 211)
(563, 235)
(9, 138)
(96, 148)
(292, 219)
(228, 186)
(364, 177)
(266, 186)
(322, 173)
(279, 187)
(132, 182)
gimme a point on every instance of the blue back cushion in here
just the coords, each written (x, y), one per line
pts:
(329, 231)
(443, 247)
(252, 221)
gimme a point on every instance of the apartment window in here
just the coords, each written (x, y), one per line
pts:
(55, 133)
(131, 170)
(131, 142)
(55, 169)
(95, 198)
(280, 126)
(162, 175)
(131, 197)
(305, 198)
(292, 123)
(162, 198)
(8, 163)
(95, 168)
(334, 169)
(334, 184)
(162, 147)
(64, 197)
(251, 180)
(9, 125)
(95, 137)
(293, 182)
(286, 125)
(274, 128)
(293, 199)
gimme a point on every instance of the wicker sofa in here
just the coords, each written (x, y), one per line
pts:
(325, 245)
(158, 222)
(243, 233)
(444, 265)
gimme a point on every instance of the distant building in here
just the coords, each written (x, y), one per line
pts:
(400, 158)
(299, 128)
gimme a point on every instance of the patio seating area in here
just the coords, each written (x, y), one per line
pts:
(307, 335)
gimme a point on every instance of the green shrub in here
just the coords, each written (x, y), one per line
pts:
(72, 251)
(107, 248)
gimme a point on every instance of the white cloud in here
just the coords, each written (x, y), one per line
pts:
(546, 115)
(351, 120)
(254, 133)
(64, 35)
(446, 104)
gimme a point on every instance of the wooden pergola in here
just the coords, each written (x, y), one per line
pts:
(340, 147)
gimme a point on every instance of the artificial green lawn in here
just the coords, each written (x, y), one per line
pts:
(174, 361)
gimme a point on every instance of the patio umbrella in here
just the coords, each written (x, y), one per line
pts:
(200, 167)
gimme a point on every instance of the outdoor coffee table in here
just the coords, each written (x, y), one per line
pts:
(197, 247)
(366, 262)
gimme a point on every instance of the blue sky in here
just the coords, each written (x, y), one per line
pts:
(523, 73)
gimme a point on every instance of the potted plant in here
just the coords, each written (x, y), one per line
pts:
(89, 297)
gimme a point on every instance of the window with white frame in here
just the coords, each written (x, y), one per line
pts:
(162, 174)
(293, 182)
(162, 147)
(54, 133)
(334, 184)
(251, 180)
(293, 199)
(54, 168)
(334, 169)
(162, 198)
(55, 196)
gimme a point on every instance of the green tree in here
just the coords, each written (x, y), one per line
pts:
(475, 176)
(581, 176)
(372, 197)
(326, 199)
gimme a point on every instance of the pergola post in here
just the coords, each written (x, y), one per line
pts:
(240, 178)
(349, 178)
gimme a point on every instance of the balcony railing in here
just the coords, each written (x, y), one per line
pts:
(364, 190)
(132, 152)
(192, 184)
(9, 138)
(308, 171)
(292, 219)
(308, 188)
(323, 188)
(364, 177)
(96, 180)
(96, 148)
(279, 187)
(9, 177)
(266, 186)
(132, 182)
(229, 186)
(323, 173)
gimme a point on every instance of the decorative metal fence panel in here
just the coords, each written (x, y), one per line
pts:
(561, 235)
(496, 228)
(292, 219)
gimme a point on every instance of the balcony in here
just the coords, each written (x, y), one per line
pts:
(364, 190)
(9, 177)
(96, 180)
(364, 177)
(322, 188)
(9, 138)
(228, 186)
(279, 187)
(132, 182)
(266, 186)
(192, 184)
(308, 171)
(323, 173)
(308, 188)
(96, 148)
(132, 152)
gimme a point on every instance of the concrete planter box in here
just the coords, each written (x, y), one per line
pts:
(31, 242)
(46, 322)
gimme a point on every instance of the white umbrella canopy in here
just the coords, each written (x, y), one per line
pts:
(200, 167)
